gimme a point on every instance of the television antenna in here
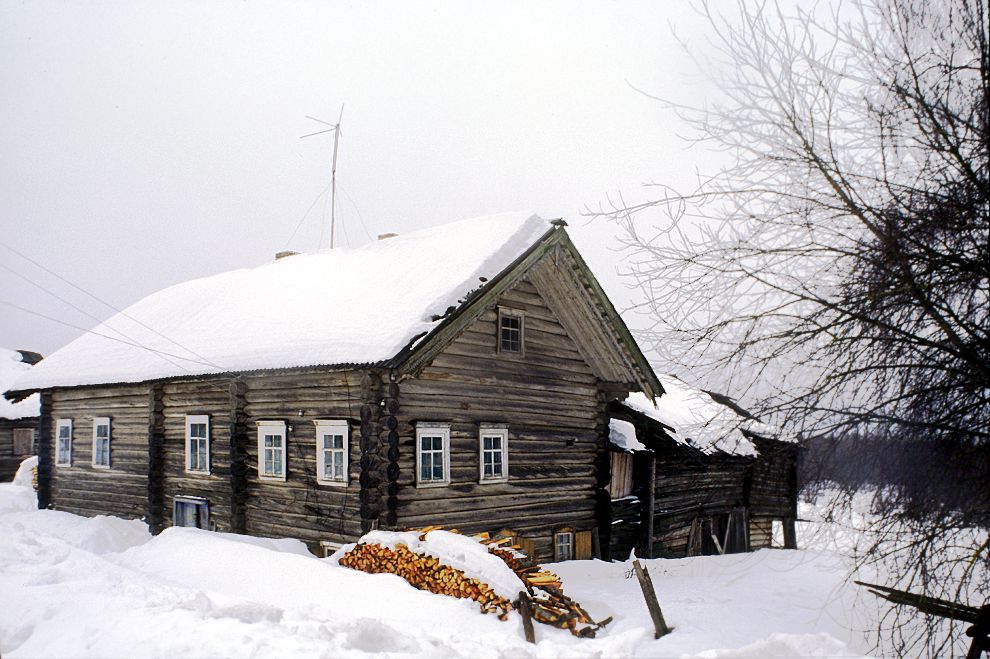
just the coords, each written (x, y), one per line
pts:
(335, 129)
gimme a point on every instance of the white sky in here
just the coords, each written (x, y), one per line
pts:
(146, 144)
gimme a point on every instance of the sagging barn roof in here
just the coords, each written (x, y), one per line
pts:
(379, 304)
(14, 364)
(710, 423)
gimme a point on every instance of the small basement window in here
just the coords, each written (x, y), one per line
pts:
(332, 437)
(198, 443)
(271, 450)
(432, 455)
(191, 511)
(101, 442)
(510, 330)
(563, 545)
(63, 443)
(493, 445)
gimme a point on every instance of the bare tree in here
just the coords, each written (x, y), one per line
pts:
(838, 271)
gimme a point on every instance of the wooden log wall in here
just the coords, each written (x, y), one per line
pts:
(550, 401)
(237, 441)
(156, 458)
(46, 452)
(121, 490)
(774, 490)
(300, 507)
(685, 491)
(9, 459)
(210, 398)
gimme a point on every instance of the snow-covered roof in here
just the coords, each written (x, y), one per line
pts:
(335, 307)
(12, 367)
(623, 435)
(699, 421)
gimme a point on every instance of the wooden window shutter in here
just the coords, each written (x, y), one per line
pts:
(582, 545)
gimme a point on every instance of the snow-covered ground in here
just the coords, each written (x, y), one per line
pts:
(75, 586)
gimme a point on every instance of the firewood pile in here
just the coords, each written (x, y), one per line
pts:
(425, 573)
(548, 602)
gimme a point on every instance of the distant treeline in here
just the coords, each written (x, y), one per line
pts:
(921, 477)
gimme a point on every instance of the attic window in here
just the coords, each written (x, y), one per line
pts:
(510, 330)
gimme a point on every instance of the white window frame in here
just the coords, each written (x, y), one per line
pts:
(63, 423)
(194, 419)
(272, 428)
(441, 430)
(563, 534)
(97, 422)
(327, 428)
(509, 312)
(502, 432)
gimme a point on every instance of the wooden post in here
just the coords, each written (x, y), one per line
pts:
(527, 616)
(651, 505)
(237, 454)
(790, 534)
(650, 595)
(155, 512)
(45, 450)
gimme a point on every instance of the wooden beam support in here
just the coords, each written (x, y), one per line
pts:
(45, 452)
(155, 513)
(237, 446)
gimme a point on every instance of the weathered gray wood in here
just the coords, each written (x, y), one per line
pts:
(525, 610)
(156, 458)
(649, 594)
(46, 452)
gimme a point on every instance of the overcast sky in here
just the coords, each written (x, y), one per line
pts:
(146, 144)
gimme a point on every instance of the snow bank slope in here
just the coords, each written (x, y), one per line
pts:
(92, 587)
(339, 306)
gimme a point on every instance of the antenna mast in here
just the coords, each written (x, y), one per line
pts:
(335, 129)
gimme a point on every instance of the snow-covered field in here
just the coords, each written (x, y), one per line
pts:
(98, 587)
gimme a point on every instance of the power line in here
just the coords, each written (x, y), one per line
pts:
(105, 336)
(104, 302)
(77, 308)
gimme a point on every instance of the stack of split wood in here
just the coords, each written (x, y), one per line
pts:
(425, 573)
(544, 592)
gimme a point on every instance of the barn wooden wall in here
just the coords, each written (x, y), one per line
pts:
(550, 401)
(121, 490)
(684, 491)
(9, 460)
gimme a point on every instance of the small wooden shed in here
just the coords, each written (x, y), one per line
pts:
(18, 421)
(707, 477)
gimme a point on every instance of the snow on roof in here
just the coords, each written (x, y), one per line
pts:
(623, 435)
(11, 368)
(700, 421)
(334, 307)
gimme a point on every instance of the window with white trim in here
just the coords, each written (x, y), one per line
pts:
(563, 545)
(271, 450)
(511, 330)
(493, 447)
(63, 443)
(432, 454)
(198, 443)
(101, 442)
(332, 437)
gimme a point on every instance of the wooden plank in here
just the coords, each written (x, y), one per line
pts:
(649, 594)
